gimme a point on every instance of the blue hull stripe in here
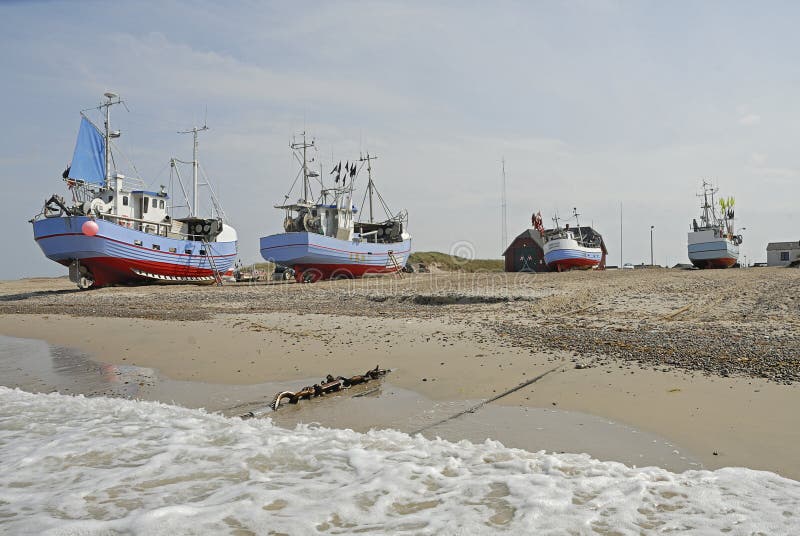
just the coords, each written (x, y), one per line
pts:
(303, 248)
(61, 239)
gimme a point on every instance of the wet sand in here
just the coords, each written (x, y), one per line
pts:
(451, 345)
(45, 368)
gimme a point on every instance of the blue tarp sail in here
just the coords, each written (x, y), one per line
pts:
(88, 160)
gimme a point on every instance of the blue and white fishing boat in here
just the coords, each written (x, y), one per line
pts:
(116, 231)
(713, 243)
(324, 236)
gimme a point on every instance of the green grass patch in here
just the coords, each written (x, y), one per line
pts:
(443, 261)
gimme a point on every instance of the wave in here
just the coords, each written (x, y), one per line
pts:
(76, 465)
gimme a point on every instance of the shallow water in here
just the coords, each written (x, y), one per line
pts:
(35, 366)
(113, 465)
(75, 465)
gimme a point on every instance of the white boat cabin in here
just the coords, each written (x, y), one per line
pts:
(329, 220)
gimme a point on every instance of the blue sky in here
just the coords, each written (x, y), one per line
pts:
(591, 104)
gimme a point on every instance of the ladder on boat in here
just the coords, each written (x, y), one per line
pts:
(213, 263)
(398, 268)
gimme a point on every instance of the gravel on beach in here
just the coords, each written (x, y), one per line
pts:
(743, 322)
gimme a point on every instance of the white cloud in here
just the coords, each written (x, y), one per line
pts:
(158, 67)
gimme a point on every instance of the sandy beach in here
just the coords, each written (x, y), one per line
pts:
(708, 360)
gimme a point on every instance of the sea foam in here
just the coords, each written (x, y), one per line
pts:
(75, 465)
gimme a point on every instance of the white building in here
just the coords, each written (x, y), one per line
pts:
(782, 253)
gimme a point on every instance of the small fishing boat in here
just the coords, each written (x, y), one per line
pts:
(114, 230)
(713, 243)
(324, 236)
(568, 248)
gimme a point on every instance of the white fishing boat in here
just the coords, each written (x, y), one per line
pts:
(713, 243)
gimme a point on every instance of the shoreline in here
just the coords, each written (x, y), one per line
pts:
(747, 422)
(377, 405)
(717, 377)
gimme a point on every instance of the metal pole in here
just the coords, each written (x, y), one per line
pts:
(108, 150)
(503, 210)
(651, 244)
(370, 185)
(620, 235)
(305, 170)
(369, 174)
(193, 209)
(745, 257)
(194, 175)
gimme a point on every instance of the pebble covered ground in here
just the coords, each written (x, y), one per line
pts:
(719, 322)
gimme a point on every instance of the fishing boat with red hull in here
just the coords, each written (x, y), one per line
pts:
(565, 248)
(114, 230)
(324, 236)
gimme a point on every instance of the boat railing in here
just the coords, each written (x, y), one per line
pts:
(366, 236)
(146, 226)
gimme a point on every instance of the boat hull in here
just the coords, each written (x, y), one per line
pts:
(314, 256)
(565, 254)
(119, 255)
(710, 252)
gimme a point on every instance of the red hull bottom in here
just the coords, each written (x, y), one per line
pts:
(110, 271)
(309, 273)
(573, 264)
(725, 262)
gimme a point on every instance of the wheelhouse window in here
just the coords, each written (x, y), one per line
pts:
(160, 203)
(155, 202)
(145, 204)
(125, 200)
(784, 255)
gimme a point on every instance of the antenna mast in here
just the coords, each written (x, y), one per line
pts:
(503, 210)
(194, 131)
(370, 188)
(620, 234)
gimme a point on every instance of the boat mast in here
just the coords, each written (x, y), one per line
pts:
(708, 219)
(578, 223)
(193, 209)
(370, 188)
(304, 145)
(108, 134)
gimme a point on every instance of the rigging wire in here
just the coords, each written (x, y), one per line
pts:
(289, 193)
(135, 180)
(361, 210)
(180, 181)
(214, 199)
